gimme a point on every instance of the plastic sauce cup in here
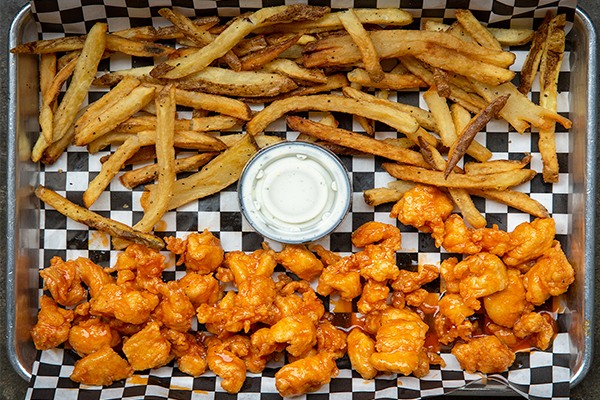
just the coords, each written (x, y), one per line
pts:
(294, 192)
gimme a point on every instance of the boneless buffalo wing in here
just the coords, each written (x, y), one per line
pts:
(128, 318)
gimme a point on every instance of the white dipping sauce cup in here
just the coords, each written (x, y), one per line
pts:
(294, 192)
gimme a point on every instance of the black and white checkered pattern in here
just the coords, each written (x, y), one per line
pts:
(536, 374)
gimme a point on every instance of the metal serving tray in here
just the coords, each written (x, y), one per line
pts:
(23, 217)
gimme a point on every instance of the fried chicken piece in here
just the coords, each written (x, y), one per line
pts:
(447, 331)
(454, 308)
(480, 275)
(235, 312)
(374, 297)
(331, 339)
(360, 349)
(148, 348)
(53, 324)
(298, 331)
(224, 275)
(486, 354)
(531, 240)
(410, 281)
(505, 335)
(550, 276)
(227, 365)
(200, 252)
(189, 353)
(201, 288)
(296, 298)
(125, 304)
(243, 266)
(63, 282)
(373, 232)
(175, 310)
(451, 282)
(327, 257)
(242, 347)
(376, 262)
(124, 328)
(306, 375)
(341, 277)
(399, 341)
(493, 240)
(426, 208)
(91, 335)
(506, 306)
(263, 343)
(416, 298)
(539, 325)
(92, 275)
(102, 367)
(302, 262)
(147, 263)
(458, 237)
(397, 299)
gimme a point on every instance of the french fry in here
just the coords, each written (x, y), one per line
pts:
(388, 81)
(377, 196)
(534, 57)
(355, 141)
(423, 117)
(293, 70)
(461, 118)
(106, 102)
(512, 37)
(333, 82)
(489, 167)
(165, 155)
(54, 151)
(147, 123)
(401, 186)
(367, 124)
(235, 32)
(57, 45)
(394, 118)
(84, 73)
(361, 38)
(93, 220)
(107, 140)
(549, 71)
(461, 145)
(214, 123)
(478, 31)
(442, 82)
(328, 120)
(200, 36)
(514, 199)
(120, 111)
(249, 45)
(171, 32)
(140, 176)
(441, 113)
(331, 21)
(221, 172)
(519, 111)
(136, 48)
(47, 71)
(113, 165)
(268, 54)
(499, 181)
(211, 102)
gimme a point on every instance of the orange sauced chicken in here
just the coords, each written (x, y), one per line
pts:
(265, 316)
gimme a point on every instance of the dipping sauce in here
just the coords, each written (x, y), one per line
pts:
(294, 192)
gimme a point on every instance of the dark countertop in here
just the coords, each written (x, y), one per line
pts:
(12, 386)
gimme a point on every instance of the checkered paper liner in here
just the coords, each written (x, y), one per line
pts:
(534, 374)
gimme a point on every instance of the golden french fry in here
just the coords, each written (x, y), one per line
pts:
(113, 165)
(532, 62)
(235, 32)
(361, 38)
(268, 54)
(377, 196)
(138, 33)
(388, 115)
(549, 71)
(519, 111)
(47, 71)
(120, 111)
(512, 198)
(57, 45)
(84, 73)
(171, 32)
(441, 113)
(401, 186)
(147, 123)
(214, 123)
(442, 82)
(461, 145)
(355, 141)
(477, 31)
(331, 21)
(136, 48)
(211, 102)
(249, 45)
(333, 82)
(108, 139)
(106, 102)
(139, 176)
(293, 70)
(511, 36)
(499, 181)
(221, 172)
(54, 151)
(490, 167)
(165, 155)
(93, 220)
(461, 118)
(388, 80)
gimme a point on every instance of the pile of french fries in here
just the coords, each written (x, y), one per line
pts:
(296, 58)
